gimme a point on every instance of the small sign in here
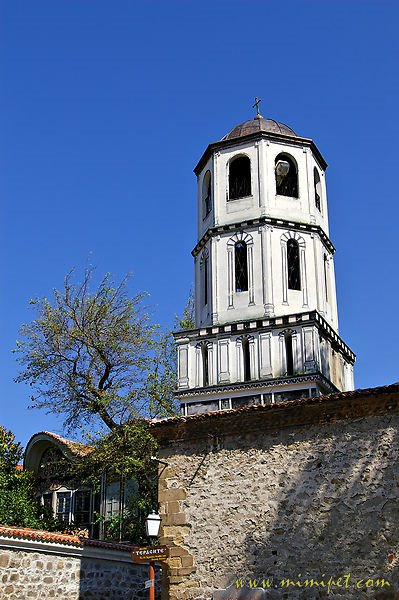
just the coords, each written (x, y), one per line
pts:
(149, 583)
(150, 554)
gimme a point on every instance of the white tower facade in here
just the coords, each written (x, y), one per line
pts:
(265, 299)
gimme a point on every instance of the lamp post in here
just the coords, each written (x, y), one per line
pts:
(152, 524)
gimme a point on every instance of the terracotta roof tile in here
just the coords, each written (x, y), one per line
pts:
(220, 414)
(58, 538)
(75, 448)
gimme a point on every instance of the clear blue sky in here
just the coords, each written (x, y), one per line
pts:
(105, 108)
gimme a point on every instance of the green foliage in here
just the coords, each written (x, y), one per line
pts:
(94, 356)
(18, 506)
(126, 454)
(187, 321)
(91, 355)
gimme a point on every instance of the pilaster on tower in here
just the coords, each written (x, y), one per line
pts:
(265, 299)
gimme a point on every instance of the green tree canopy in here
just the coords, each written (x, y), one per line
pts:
(18, 506)
(95, 354)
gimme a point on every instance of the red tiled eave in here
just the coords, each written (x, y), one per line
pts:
(58, 538)
(342, 406)
(221, 414)
(76, 448)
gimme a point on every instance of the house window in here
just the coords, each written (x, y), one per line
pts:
(82, 507)
(317, 188)
(289, 355)
(239, 178)
(205, 365)
(246, 359)
(286, 176)
(241, 267)
(207, 194)
(48, 502)
(113, 502)
(293, 265)
(63, 506)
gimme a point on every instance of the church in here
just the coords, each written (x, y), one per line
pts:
(265, 298)
(278, 479)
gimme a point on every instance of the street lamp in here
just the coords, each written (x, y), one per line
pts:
(152, 524)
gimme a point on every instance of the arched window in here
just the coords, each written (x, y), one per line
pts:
(204, 273)
(239, 178)
(246, 359)
(207, 194)
(289, 354)
(286, 176)
(241, 266)
(205, 281)
(325, 265)
(317, 188)
(293, 265)
(205, 365)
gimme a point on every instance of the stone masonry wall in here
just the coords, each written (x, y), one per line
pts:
(38, 575)
(313, 501)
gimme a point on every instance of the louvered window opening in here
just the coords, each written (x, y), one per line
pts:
(246, 360)
(289, 354)
(317, 191)
(294, 273)
(240, 178)
(205, 267)
(205, 365)
(241, 267)
(288, 185)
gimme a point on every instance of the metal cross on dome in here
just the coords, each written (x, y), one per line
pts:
(257, 102)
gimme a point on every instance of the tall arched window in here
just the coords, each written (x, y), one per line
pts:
(317, 188)
(239, 178)
(241, 266)
(246, 359)
(204, 271)
(293, 265)
(205, 365)
(325, 265)
(289, 354)
(286, 176)
(207, 194)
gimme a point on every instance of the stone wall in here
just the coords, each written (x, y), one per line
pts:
(305, 491)
(36, 570)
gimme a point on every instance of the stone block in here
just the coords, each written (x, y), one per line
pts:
(4, 560)
(175, 580)
(174, 519)
(185, 571)
(187, 561)
(177, 532)
(171, 494)
(175, 562)
(172, 507)
(177, 551)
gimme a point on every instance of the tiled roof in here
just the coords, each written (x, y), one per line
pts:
(58, 538)
(75, 448)
(221, 414)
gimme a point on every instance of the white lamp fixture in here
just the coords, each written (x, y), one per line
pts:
(152, 524)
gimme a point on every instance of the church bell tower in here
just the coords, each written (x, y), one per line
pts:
(265, 300)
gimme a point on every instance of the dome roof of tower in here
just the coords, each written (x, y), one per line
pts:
(259, 124)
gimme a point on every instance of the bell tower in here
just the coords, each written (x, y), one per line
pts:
(265, 300)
